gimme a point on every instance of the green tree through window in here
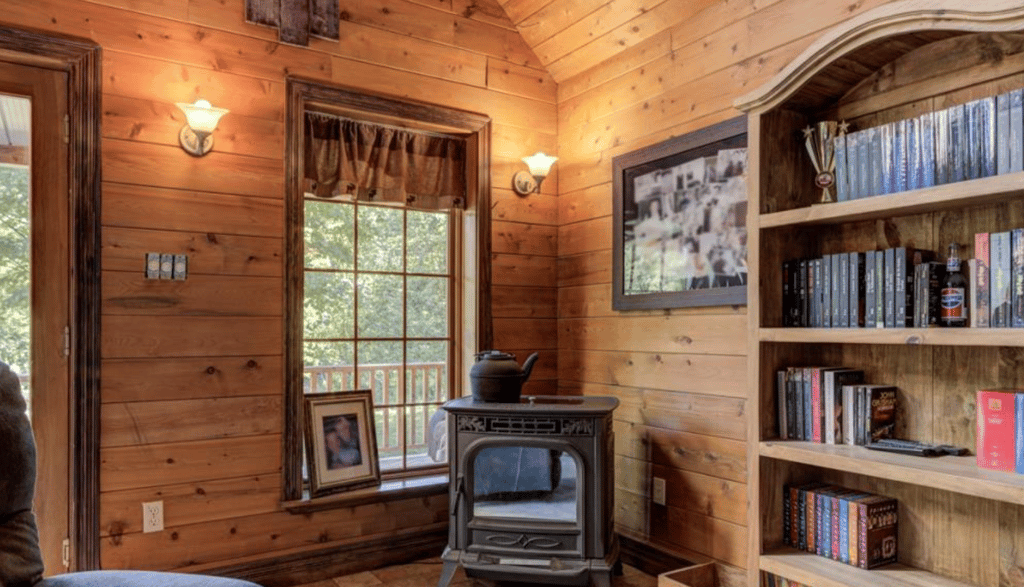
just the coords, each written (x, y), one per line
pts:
(15, 267)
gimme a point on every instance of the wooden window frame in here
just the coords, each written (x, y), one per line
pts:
(81, 60)
(303, 95)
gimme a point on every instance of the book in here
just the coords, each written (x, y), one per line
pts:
(879, 412)
(972, 292)
(814, 276)
(999, 280)
(853, 163)
(931, 275)
(940, 122)
(843, 260)
(849, 409)
(807, 401)
(957, 145)
(856, 286)
(879, 289)
(1003, 133)
(927, 149)
(980, 279)
(1016, 131)
(835, 413)
(842, 174)
(889, 277)
(877, 531)
(903, 297)
(912, 133)
(887, 135)
(835, 307)
(1018, 404)
(1017, 278)
(875, 154)
(864, 182)
(848, 528)
(899, 155)
(986, 132)
(870, 320)
(996, 429)
(780, 404)
(971, 141)
(793, 405)
(858, 415)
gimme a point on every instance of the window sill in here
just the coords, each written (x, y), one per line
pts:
(393, 490)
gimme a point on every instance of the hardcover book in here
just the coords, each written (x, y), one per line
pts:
(903, 265)
(996, 444)
(816, 281)
(869, 290)
(878, 185)
(957, 144)
(856, 287)
(842, 171)
(878, 523)
(879, 289)
(1018, 405)
(986, 122)
(835, 416)
(1003, 133)
(843, 260)
(927, 149)
(853, 163)
(899, 153)
(932, 273)
(999, 280)
(915, 174)
(940, 120)
(864, 181)
(780, 404)
(849, 393)
(887, 138)
(1017, 277)
(835, 306)
(889, 275)
(1016, 131)
(980, 303)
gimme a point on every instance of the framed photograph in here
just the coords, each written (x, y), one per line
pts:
(341, 442)
(679, 236)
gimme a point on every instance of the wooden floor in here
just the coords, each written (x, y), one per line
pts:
(425, 573)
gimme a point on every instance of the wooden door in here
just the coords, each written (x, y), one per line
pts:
(50, 279)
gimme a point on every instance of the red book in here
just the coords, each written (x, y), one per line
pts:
(996, 427)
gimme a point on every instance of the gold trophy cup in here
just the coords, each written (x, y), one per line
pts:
(820, 141)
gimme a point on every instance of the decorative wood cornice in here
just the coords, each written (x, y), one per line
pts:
(905, 17)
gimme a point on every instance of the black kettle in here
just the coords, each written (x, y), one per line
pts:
(497, 377)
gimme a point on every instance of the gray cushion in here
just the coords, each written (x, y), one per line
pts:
(20, 561)
(140, 579)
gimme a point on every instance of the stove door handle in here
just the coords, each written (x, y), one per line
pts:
(460, 487)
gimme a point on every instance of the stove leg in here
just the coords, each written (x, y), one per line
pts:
(601, 579)
(447, 572)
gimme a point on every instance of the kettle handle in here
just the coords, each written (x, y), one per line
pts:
(528, 366)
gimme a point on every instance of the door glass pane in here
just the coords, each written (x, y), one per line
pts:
(524, 482)
(15, 238)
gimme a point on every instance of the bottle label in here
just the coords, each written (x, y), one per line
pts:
(952, 302)
(953, 264)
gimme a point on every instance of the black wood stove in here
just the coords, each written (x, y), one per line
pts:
(531, 490)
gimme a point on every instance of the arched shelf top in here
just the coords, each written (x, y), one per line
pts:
(851, 51)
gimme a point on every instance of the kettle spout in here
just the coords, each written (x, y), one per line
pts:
(528, 366)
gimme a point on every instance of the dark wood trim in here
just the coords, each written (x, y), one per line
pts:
(303, 94)
(82, 61)
(399, 489)
(309, 567)
(649, 558)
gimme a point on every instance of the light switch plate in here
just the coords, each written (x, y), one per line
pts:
(658, 491)
(166, 266)
(152, 265)
(180, 267)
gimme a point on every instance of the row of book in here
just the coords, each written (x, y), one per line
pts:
(850, 526)
(997, 279)
(874, 289)
(1000, 429)
(772, 580)
(833, 405)
(978, 139)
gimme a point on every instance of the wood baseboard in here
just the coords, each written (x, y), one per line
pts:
(309, 567)
(649, 558)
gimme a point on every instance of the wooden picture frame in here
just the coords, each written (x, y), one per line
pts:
(341, 442)
(679, 235)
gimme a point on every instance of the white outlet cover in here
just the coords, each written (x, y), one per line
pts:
(152, 516)
(658, 491)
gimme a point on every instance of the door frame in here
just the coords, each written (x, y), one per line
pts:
(81, 60)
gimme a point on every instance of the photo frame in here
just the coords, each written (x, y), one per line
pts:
(341, 442)
(679, 232)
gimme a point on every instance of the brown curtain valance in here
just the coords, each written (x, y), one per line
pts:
(382, 164)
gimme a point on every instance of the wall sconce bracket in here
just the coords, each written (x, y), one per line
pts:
(523, 183)
(193, 143)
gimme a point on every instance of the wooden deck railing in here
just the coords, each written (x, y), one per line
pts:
(417, 391)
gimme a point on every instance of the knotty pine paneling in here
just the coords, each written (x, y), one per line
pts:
(644, 80)
(192, 371)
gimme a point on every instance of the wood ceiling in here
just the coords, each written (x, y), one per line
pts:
(571, 36)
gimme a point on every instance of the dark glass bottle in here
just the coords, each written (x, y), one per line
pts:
(953, 298)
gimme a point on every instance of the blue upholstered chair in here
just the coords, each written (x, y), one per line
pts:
(21, 564)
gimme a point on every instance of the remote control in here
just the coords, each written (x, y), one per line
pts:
(914, 447)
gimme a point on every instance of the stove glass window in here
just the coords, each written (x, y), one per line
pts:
(525, 482)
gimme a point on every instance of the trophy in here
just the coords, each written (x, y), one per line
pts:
(821, 146)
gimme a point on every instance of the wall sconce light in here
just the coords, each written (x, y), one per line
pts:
(196, 137)
(527, 183)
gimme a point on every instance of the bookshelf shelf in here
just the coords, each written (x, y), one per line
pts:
(988, 190)
(811, 569)
(892, 63)
(960, 337)
(955, 474)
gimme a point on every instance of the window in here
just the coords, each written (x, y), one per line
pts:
(384, 292)
(377, 314)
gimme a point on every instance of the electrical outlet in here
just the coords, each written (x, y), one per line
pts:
(152, 265)
(180, 267)
(152, 516)
(658, 491)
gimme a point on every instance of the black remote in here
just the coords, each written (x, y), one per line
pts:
(907, 447)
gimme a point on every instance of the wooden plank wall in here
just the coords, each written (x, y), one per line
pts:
(192, 370)
(680, 373)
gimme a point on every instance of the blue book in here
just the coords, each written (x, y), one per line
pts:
(844, 290)
(972, 140)
(1019, 436)
(986, 123)
(927, 149)
(957, 145)
(1003, 133)
(940, 122)
(864, 181)
(842, 171)
(912, 133)
(852, 163)
(1017, 278)
(1016, 131)
(887, 138)
(875, 155)
(869, 290)
(899, 156)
